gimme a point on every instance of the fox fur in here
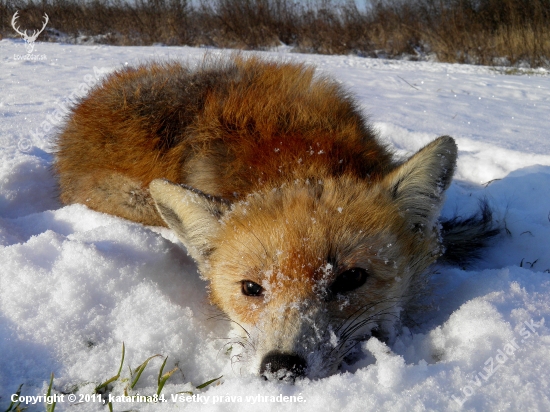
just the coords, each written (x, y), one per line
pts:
(310, 233)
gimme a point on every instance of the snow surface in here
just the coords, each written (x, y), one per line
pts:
(75, 284)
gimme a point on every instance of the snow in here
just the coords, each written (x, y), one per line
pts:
(75, 284)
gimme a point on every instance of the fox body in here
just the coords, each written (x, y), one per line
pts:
(310, 233)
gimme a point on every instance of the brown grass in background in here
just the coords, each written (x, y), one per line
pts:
(490, 32)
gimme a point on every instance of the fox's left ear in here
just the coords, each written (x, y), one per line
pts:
(192, 214)
(418, 185)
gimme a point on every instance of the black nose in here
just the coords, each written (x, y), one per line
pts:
(282, 366)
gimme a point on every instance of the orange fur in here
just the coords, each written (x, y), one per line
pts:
(227, 128)
(278, 186)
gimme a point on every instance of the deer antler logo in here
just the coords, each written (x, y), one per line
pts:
(29, 40)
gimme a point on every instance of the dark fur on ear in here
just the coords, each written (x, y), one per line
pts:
(464, 238)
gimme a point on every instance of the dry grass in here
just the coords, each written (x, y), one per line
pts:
(491, 32)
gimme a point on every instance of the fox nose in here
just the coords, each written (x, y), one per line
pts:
(282, 366)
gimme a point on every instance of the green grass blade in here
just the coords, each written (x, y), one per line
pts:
(162, 369)
(163, 378)
(13, 406)
(114, 378)
(205, 384)
(139, 370)
(51, 406)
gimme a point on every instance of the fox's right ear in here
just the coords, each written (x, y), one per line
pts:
(192, 214)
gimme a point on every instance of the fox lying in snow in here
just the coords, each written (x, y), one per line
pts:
(311, 235)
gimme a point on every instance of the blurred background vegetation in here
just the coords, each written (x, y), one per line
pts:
(488, 32)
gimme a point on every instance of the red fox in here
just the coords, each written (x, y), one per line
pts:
(311, 234)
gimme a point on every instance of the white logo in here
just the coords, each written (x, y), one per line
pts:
(29, 40)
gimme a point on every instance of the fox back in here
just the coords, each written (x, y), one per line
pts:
(310, 233)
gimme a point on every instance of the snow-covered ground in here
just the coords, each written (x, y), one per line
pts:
(75, 284)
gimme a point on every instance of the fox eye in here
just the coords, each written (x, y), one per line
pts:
(349, 280)
(250, 288)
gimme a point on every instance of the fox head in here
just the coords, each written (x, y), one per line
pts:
(310, 267)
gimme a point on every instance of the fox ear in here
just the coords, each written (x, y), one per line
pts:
(418, 185)
(192, 214)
